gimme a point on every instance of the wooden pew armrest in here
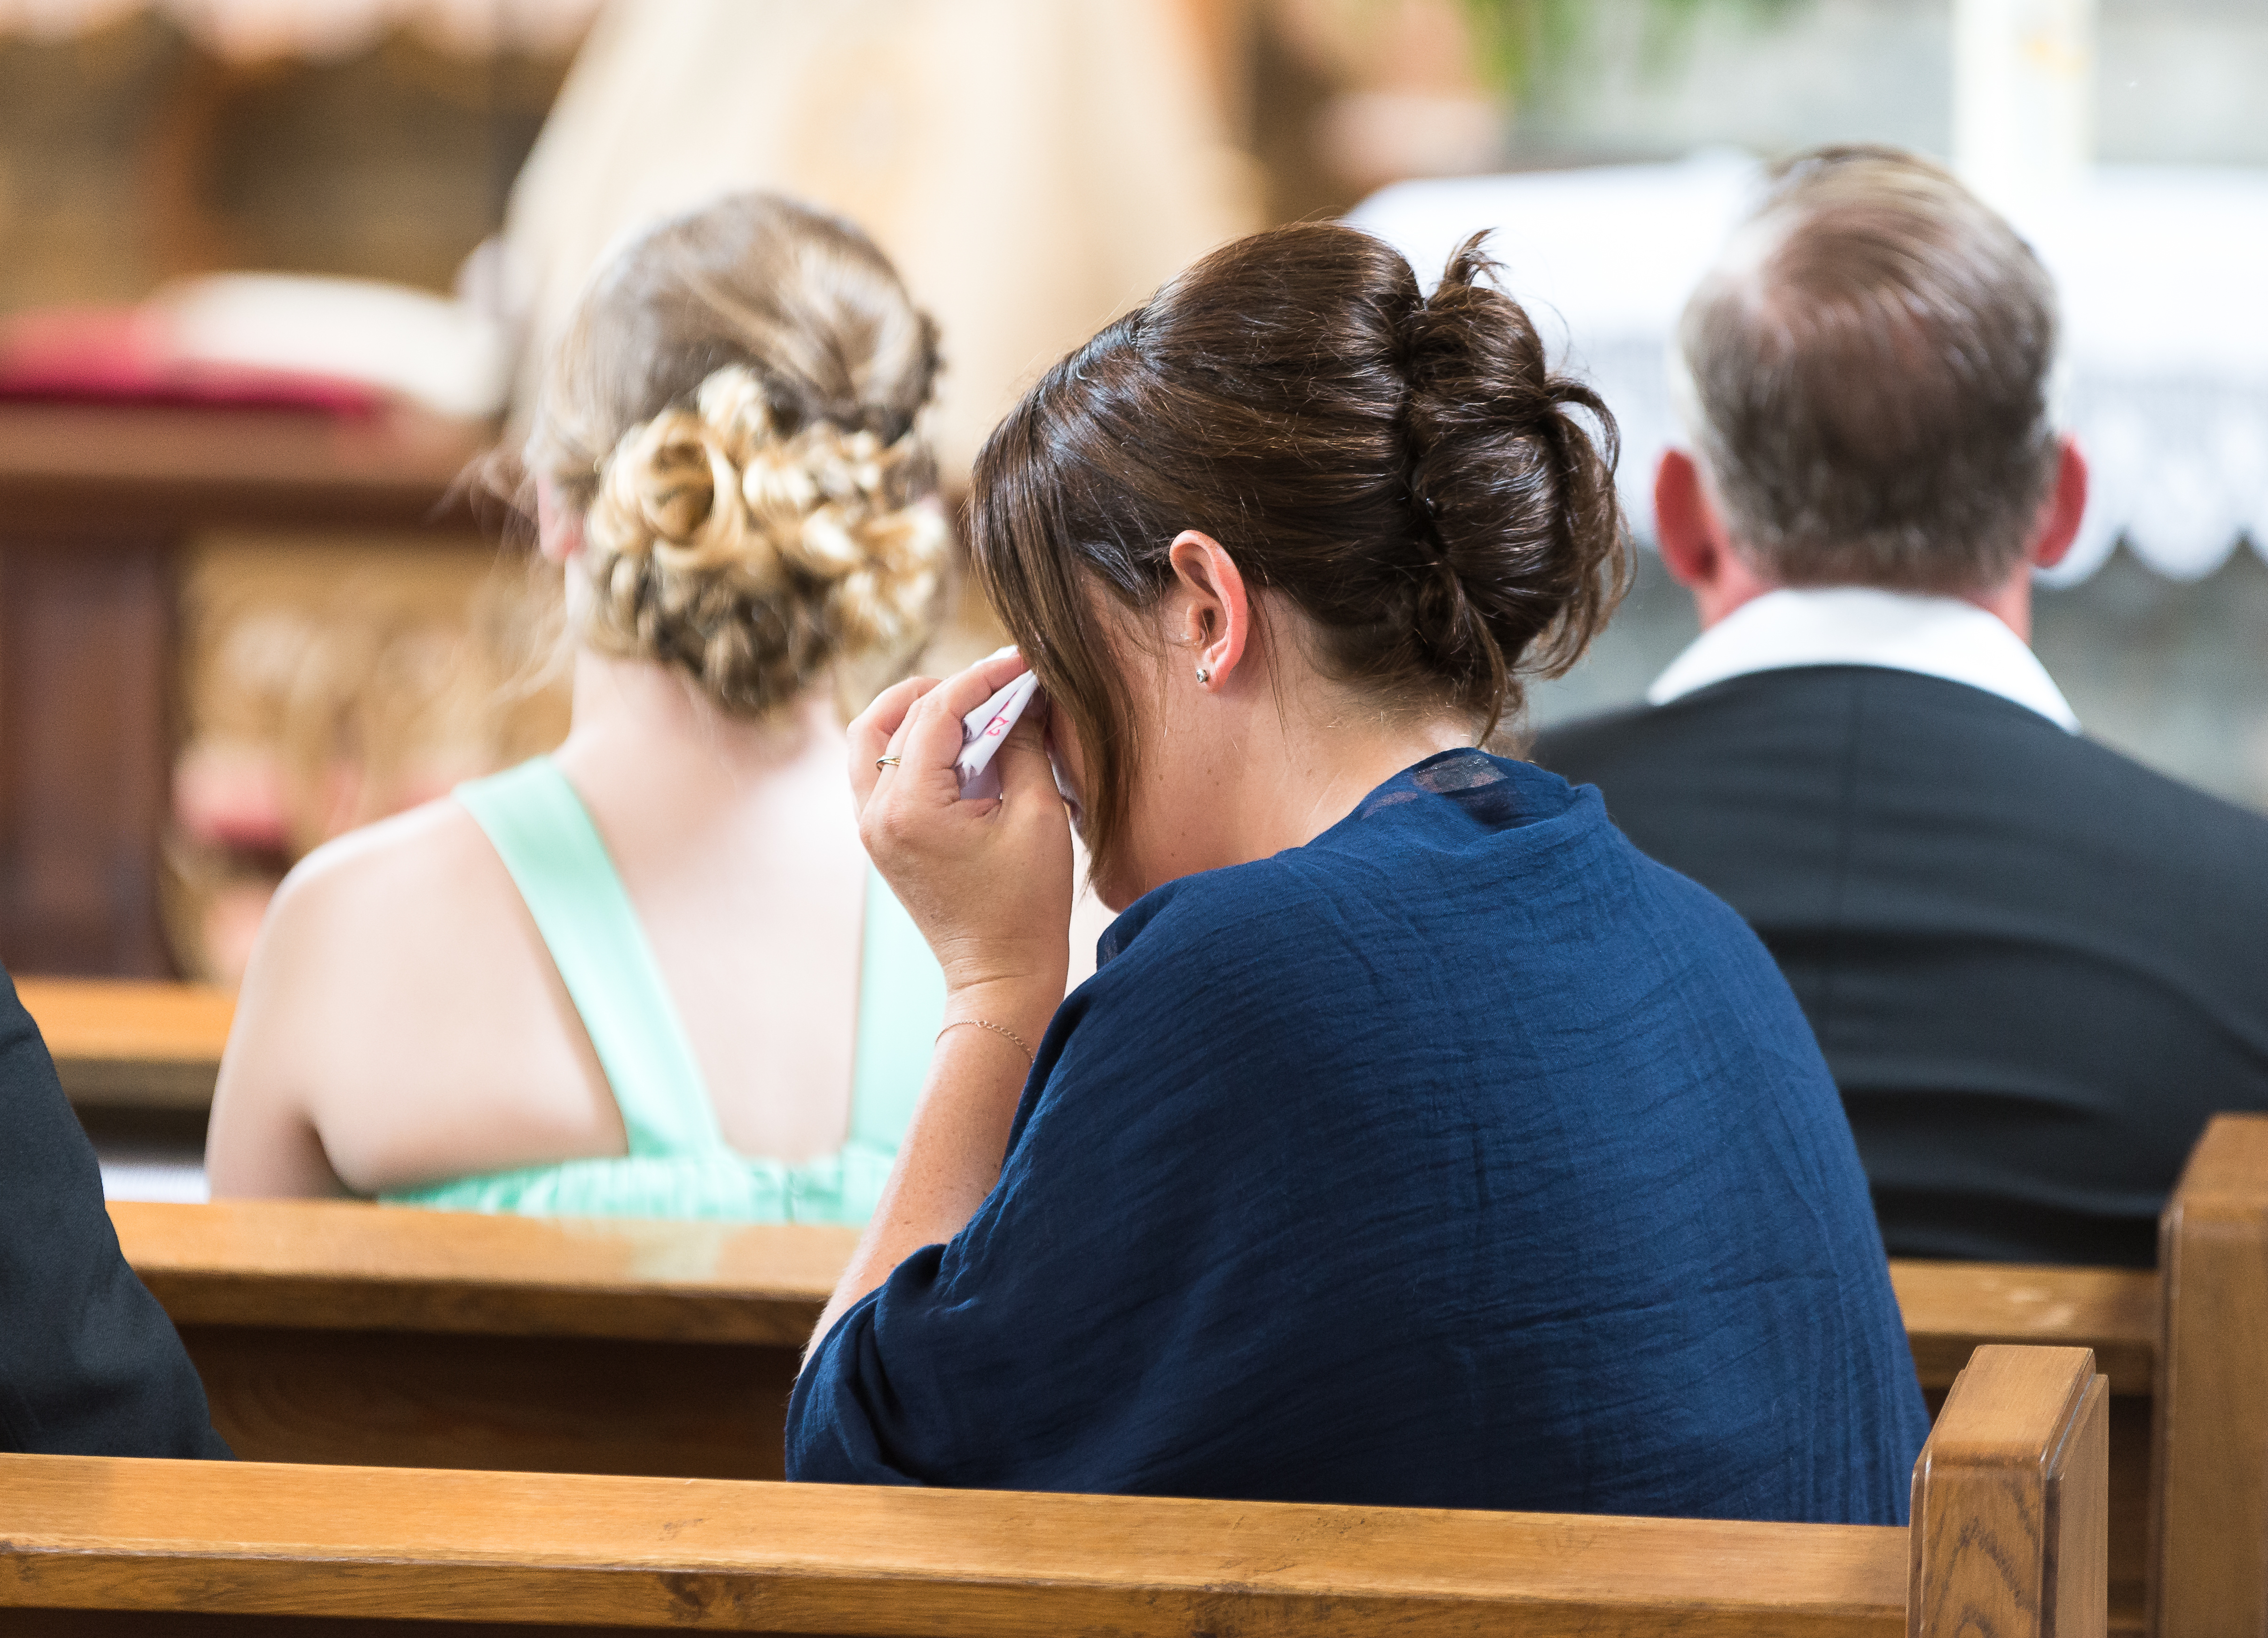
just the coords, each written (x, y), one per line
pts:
(2011, 1501)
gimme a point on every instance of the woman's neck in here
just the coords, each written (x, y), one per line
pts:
(638, 725)
(1313, 775)
(1260, 777)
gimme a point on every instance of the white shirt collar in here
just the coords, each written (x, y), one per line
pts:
(1937, 636)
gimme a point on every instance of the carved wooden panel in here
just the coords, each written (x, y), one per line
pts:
(86, 655)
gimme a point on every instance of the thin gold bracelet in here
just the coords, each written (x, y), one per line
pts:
(997, 1029)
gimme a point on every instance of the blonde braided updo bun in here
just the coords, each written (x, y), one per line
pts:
(733, 412)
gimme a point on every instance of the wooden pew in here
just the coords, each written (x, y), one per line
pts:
(1952, 1309)
(2185, 1350)
(348, 1334)
(334, 1332)
(2210, 1534)
(126, 1043)
(343, 1332)
(2007, 1542)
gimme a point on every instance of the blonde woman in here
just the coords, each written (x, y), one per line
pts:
(652, 973)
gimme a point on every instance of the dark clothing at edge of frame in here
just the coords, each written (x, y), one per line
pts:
(2037, 968)
(89, 1363)
(1463, 1157)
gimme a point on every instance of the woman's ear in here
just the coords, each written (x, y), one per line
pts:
(1214, 616)
(558, 531)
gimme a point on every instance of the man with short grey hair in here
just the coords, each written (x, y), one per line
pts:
(2035, 966)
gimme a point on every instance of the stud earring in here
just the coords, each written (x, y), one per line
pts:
(1204, 675)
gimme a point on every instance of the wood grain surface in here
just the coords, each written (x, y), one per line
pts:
(355, 1266)
(2010, 1512)
(132, 1043)
(2132, 1501)
(346, 1265)
(2210, 1542)
(568, 1405)
(80, 1533)
(1953, 1309)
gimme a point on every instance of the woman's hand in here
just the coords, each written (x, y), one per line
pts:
(989, 882)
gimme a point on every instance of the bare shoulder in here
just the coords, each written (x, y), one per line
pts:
(350, 978)
(412, 866)
(390, 935)
(377, 949)
(401, 1001)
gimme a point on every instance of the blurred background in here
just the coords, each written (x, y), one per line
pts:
(274, 272)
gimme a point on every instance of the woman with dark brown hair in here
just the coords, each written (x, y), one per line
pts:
(1419, 1142)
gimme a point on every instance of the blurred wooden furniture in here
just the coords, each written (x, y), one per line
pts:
(2007, 1542)
(341, 1332)
(124, 1043)
(2211, 1537)
(95, 505)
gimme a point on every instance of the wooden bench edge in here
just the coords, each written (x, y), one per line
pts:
(840, 1560)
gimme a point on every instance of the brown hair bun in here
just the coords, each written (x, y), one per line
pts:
(1406, 469)
(1513, 492)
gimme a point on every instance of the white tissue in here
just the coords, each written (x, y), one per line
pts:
(982, 733)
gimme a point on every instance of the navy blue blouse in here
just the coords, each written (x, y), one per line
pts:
(1462, 1158)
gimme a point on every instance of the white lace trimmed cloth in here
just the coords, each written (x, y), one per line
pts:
(2165, 376)
(252, 31)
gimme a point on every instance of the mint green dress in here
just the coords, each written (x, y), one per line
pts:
(679, 1165)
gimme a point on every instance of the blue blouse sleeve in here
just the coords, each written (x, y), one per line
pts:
(975, 1360)
(834, 1436)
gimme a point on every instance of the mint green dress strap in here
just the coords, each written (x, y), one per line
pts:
(544, 835)
(679, 1165)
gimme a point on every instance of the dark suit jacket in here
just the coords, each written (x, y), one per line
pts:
(89, 1363)
(2036, 967)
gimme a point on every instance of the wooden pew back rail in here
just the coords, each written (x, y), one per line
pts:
(340, 1332)
(132, 1043)
(2210, 1531)
(2008, 1543)
(344, 1333)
